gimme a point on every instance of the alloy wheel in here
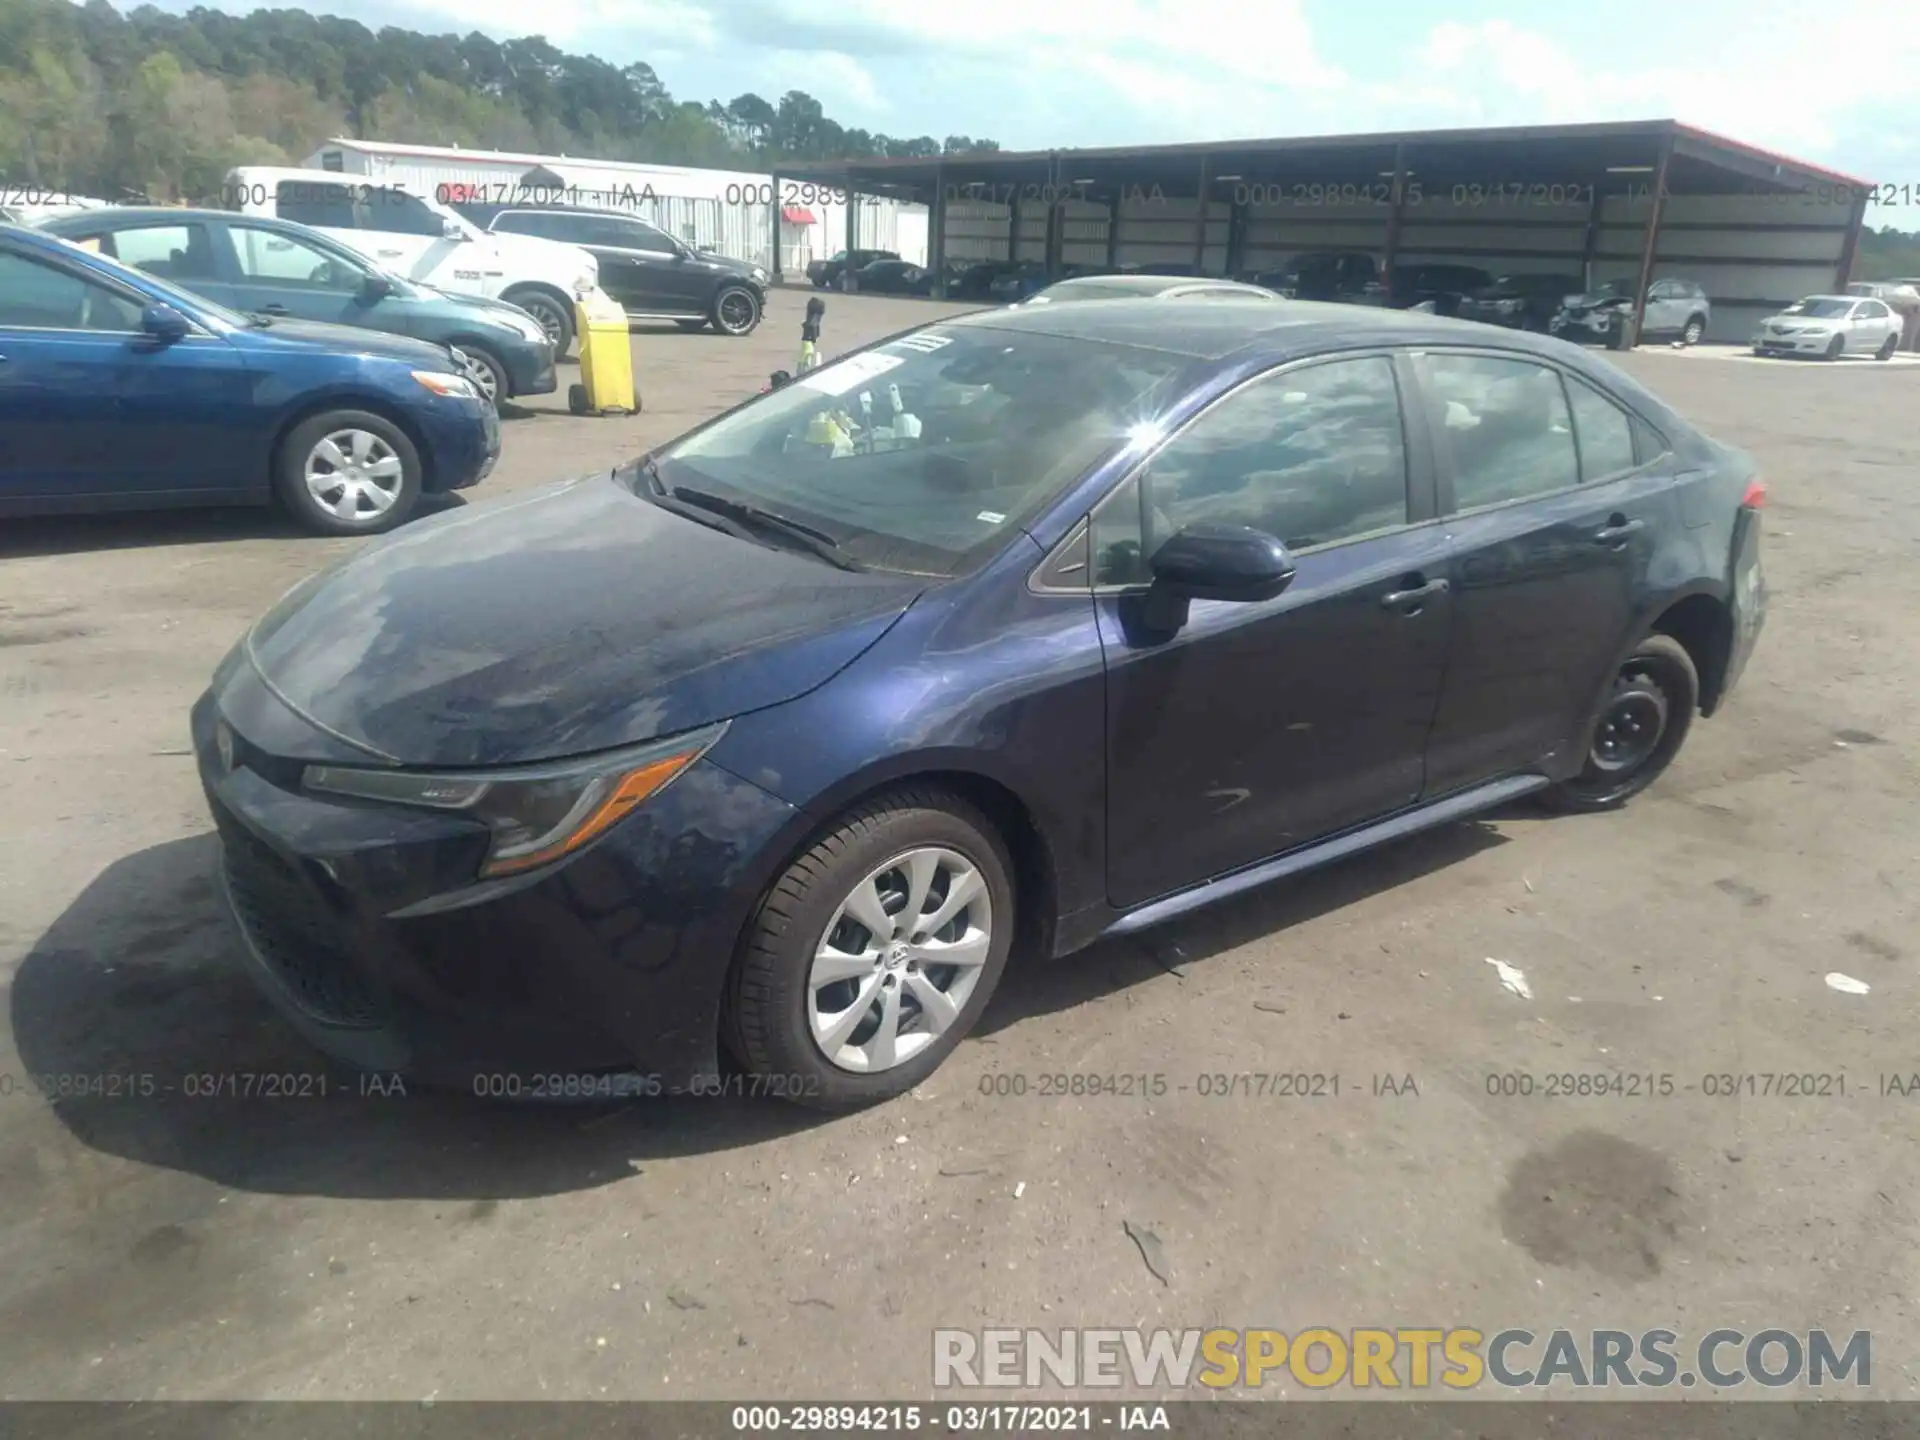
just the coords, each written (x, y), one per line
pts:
(547, 315)
(354, 474)
(899, 959)
(736, 312)
(480, 373)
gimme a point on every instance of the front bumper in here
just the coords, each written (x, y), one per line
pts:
(461, 438)
(1584, 324)
(601, 976)
(530, 369)
(1766, 343)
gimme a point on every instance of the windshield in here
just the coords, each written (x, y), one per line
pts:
(923, 454)
(1815, 308)
(185, 300)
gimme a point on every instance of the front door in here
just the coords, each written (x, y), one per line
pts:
(92, 405)
(1257, 728)
(1551, 524)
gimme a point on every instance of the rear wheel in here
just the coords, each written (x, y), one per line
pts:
(876, 951)
(1642, 723)
(1694, 331)
(348, 472)
(1887, 347)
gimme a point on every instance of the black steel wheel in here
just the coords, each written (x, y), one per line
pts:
(1640, 726)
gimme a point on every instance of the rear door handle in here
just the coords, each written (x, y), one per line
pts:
(1412, 600)
(1618, 531)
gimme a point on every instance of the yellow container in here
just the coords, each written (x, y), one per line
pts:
(606, 359)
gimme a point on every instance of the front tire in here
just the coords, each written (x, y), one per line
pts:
(348, 472)
(486, 370)
(1643, 722)
(551, 310)
(736, 311)
(1835, 348)
(874, 954)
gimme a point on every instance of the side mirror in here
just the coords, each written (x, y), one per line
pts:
(164, 323)
(375, 287)
(1222, 562)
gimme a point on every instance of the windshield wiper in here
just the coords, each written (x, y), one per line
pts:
(815, 542)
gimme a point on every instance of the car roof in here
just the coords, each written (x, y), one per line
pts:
(1212, 329)
(1148, 284)
(491, 208)
(119, 217)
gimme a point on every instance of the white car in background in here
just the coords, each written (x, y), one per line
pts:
(1830, 326)
(424, 240)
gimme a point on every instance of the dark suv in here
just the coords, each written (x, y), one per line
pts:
(1438, 288)
(652, 275)
(1520, 302)
(1348, 277)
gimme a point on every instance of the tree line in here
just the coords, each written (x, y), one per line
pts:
(98, 102)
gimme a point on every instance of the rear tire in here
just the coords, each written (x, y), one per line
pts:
(553, 313)
(1887, 347)
(1642, 723)
(790, 1004)
(1695, 330)
(348, 472)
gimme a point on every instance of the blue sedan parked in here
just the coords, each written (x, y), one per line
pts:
(276, 268)
(119, 391)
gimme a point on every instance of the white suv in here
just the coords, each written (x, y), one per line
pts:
(423, 240)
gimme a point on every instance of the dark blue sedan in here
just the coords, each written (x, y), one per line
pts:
(120, 391)
(262, 266)
(1000, 636)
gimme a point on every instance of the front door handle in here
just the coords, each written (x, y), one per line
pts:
(1618, 531)
(1412, 600)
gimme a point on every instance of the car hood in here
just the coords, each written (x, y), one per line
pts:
(580, 618)
(350, 340)
(1595, 301)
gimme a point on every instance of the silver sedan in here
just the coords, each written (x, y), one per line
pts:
(1830, 326)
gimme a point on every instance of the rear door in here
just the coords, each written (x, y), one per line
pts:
(1551, 521)
(182, 253)
(670, 281)
(1257, 728)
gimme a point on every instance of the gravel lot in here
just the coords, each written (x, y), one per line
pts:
(388, 1247)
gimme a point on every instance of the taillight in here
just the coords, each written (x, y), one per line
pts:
(1756, 496)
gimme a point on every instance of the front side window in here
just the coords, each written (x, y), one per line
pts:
(37, 296)
(173, 252)
(924, 454)
(1817, 308)
(1503, 425)
(269, 257)
(1604, 432)
(1310, 456)
(547, 224)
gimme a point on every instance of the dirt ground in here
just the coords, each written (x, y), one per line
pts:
(175, 1246)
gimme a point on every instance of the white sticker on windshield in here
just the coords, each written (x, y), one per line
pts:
(992, 517)
(926, 341)
(844, 375)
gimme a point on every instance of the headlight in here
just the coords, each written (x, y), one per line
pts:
(526, 327)
(442, 383)
(537, 813)
(759, 272)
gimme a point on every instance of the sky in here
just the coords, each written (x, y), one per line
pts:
(1836, 82)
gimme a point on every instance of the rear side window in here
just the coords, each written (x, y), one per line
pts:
(547, 224)
(395, 212)
(1504, 427)
(1604, 433)
(306, 203)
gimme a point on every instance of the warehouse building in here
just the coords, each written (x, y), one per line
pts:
(736, 212)
(1635, 201)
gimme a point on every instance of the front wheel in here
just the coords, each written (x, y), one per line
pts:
(486, 370)
(876, 951)
(552, 312)
(1642, 723)
(736, 311)
(1835, 347)
(348, 472)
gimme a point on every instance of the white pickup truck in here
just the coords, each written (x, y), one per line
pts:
(423, 240)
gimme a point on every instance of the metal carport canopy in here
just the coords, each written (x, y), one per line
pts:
(1618, 155)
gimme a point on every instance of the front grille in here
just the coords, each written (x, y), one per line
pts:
(306, 945)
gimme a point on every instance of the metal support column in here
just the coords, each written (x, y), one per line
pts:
(1113, 230)
(1395, 199)
(773, 217)
(937, 232)
(1590, 241)
(1013, 225)
(1056, 219)
(1851, 246)
(853, 235)
(1652, 242)
(1200, 220)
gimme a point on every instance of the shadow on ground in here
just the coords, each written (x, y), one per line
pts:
(142, 979)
